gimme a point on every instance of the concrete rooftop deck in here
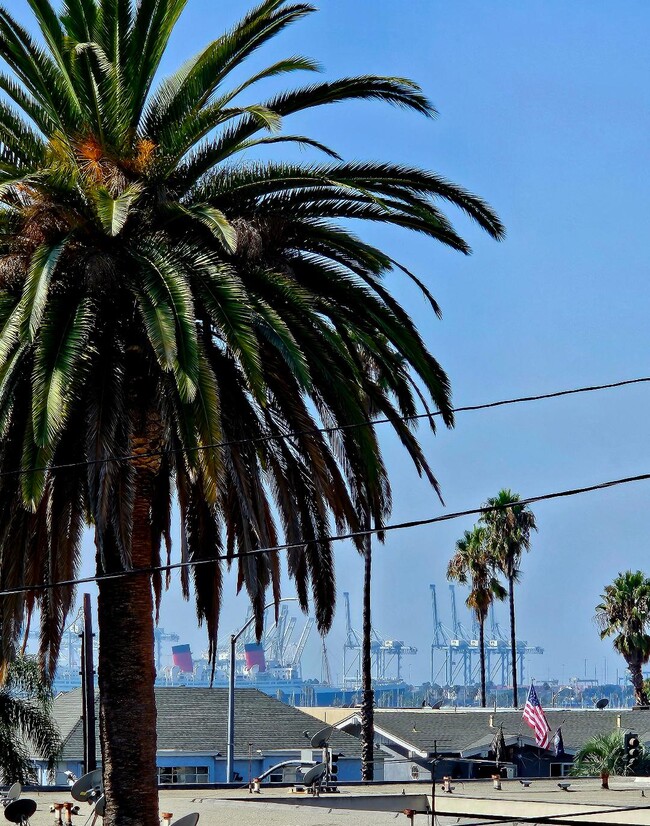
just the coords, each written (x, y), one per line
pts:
(471, 801)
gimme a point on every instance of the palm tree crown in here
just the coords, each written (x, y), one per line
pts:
(509, 525)
(475, 564)
(160, 294)
(604, 754)
(624, 613)
(27, 727)
(145, 268)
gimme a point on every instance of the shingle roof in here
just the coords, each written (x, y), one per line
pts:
(453, 731)
(67, 711)
(195, 720)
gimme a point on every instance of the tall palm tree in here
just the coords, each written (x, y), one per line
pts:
(509, 525)
(367, 691)
(625, 613)
(473, 563)
(27, 728)
(175, 324)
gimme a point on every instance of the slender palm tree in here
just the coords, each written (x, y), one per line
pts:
(474, 564)
(27, 728)
(176, 321)
(509, 525)
(367, 691)
(625, 614)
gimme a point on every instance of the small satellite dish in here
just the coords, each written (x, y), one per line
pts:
(320, 739)
(19, 811)
(187, 820)
(601, 704)
(436, 705)
(314, 774)
(88, 788)
(100, 805)
(13, 793)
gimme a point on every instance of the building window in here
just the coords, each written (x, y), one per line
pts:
(560, 769)
(415, 773)
(183, 774)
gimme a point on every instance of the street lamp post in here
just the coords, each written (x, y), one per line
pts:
(230, 756)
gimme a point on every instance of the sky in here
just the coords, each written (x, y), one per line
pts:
(544, 112)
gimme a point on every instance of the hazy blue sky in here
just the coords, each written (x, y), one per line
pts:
(544, 110)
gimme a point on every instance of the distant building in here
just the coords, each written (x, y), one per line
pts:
(461, 740)
(192, 737)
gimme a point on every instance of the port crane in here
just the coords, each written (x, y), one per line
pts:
(383, 652)
(461, 648)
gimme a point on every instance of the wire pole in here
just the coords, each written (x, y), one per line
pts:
(88, 688)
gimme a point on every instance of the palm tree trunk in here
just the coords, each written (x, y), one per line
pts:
(513, 640)
(368, 699)
(127, 669)
(636, 678)
(481, 643)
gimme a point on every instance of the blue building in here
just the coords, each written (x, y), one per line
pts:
(192, 737)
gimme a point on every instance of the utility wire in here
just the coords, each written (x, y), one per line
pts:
(129, 457)
(397, 526)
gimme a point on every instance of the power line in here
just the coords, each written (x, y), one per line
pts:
(129, 457)
(398, 526)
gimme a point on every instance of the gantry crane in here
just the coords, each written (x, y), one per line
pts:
(302, 642)
(461, 652)
(160, 635)
(440, 638)
(383, 652)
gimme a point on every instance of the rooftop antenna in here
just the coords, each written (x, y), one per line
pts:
(321, 738)
(314, 775)
(13, 793)
(90, 789)
(19, 811)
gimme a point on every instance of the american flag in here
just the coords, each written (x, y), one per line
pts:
(536, 719)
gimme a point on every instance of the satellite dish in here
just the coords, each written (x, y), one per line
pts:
(19, 811)
(100, 805)
(319, 740)
(88, 788)
(13, 793)
(314, 774)
(601, 704)
(187, 820)
(436, 705)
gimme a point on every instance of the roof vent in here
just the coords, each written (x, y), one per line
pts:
(491, 720)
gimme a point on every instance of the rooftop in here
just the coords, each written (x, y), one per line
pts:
(195, 720)
(584, 802)
(452, 731)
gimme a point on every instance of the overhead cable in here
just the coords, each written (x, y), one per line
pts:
(322, 430)
(397, 526)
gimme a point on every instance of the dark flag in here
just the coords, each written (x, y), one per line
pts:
(558, 743)
(499, 746)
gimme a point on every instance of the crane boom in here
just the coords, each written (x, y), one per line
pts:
(351, 637)
(454, 614)
(302, 642)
